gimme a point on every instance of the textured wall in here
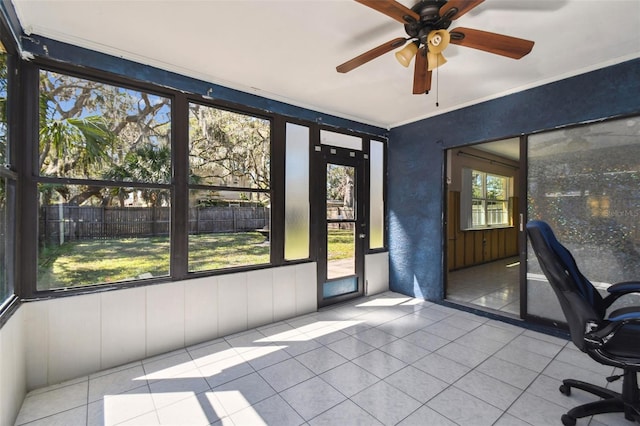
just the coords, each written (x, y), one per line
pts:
(416, 159)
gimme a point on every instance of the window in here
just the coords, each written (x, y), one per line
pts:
(297, 213)
(229, 189)
(104, 175)
(376, 195)
(485, 200)
(7, 188)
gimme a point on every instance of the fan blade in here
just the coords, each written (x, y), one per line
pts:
(392, 8)
(499, 44)
(462, 6)
(371, 54)
(421, 76)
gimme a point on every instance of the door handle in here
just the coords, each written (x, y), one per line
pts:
(362, 236)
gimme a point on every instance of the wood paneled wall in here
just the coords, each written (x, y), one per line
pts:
(468, 248)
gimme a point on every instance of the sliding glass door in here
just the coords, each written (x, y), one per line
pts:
(585, 182)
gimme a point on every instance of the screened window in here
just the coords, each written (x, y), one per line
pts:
(7, 189)
(5, 288)
(4, 85)
(229, 196)
(485, 199)
(104, 194)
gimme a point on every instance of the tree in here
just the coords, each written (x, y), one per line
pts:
(89, 129)
(145, 164)
(229, 149)
(340, 184)
(3, 106)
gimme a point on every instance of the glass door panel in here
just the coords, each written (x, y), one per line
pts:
(341, 203)
(341, 250)
(585, 182)
(341, 237)
(341, 256)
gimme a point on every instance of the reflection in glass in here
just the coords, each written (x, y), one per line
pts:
(296, 215)
(376, 196)
(340, 250)
(226, 234)
(107, 235)
(585, 182)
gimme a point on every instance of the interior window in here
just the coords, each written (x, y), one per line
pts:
(485, 199)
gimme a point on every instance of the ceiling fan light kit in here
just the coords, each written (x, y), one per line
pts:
(406, 54)
(426, 24)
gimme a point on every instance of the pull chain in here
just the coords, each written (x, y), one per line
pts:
(437, 86)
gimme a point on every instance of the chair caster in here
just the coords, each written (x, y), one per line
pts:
(568, 420)
(565, 390)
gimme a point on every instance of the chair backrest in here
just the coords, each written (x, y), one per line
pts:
(579, 299)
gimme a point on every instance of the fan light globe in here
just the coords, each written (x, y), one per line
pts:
(438, 40)
(434, 60)
(406, 54)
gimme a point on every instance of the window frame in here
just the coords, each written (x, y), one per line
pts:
(10, 177)
(385, 220)
(28, 255)
(179, 185)
(238, 189)
(37, 179)
(485, 201)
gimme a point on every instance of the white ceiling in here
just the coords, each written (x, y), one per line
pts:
(287, 50)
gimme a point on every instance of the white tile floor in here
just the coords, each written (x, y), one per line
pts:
(494, 285)
(387, 359)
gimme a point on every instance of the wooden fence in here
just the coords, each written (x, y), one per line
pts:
(67, 223)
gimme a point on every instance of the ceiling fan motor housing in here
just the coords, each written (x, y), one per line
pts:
(429, 11)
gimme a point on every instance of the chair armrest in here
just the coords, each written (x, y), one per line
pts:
(620, 289)
(599, 334)
(624, 287)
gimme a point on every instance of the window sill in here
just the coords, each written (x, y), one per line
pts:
(486, 228)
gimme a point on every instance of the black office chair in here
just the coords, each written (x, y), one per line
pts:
(612, 339)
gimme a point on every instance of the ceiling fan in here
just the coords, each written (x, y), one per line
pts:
(426, 25)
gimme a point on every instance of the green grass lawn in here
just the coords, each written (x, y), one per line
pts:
(340, 242)
(79, 263)
(82, 263)
(216, 251)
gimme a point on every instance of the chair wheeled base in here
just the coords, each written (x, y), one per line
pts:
(627, 402)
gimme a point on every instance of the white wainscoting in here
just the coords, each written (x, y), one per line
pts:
(376, 273)
(13, 386)
(74, 336)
